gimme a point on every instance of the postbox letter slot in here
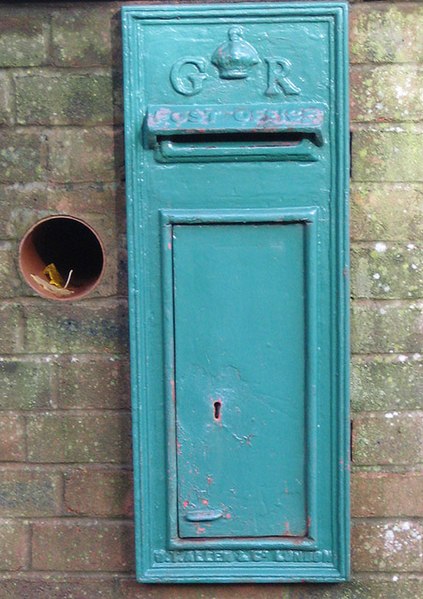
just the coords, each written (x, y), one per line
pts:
(243, 146)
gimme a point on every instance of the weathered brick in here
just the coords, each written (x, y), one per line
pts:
(76, 328)
(80, 155)
(22, 156)
(115, 280)
(46, 586)
(384, 383)
(386, 93)
(25, 384)
(26, 493)
(94, 383)
(6, 112)
(10, 328)
(386, 327)
(13, 545)
(90, 198)
(391, 438)
(18, 205)
(375, 494)
(10, 283)
(64, 99)
(81, 546)
(103, 493)
(386, 33)
(130, 589)
(386, 271)
(388, 211)
(394, 546)
(5, 210)
(392, 153)
(12, 441)
(23, 39)
(68, 438)
(396, 587)
(82, 36)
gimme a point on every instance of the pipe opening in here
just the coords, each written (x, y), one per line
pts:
(61, 258)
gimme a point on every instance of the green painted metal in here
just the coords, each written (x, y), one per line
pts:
(236, 150)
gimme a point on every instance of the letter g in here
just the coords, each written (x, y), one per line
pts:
(187, 75)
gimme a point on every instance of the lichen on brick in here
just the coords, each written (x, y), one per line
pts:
(25, 383)
(65, 99)
(386, 93)
(395, 273)
(23, 39)
(386, 327)
(386, 33)
(386, 383)
(388, 211)
(82, 37)
(388, 153)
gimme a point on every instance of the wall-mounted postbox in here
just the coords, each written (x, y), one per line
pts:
(236, 140)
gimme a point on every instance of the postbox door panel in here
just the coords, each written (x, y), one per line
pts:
(239, 294)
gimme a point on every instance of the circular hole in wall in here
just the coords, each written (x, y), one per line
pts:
(62, 258)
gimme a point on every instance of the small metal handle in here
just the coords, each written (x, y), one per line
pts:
(203, 515)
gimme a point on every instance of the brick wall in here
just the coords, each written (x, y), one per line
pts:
(65, 481)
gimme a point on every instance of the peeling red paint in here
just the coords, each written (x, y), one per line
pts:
(199, 529)
(298, 540)
(186, 503)
(162, 120)
(287, 530)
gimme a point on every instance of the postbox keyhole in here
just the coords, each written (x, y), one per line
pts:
(217, 405)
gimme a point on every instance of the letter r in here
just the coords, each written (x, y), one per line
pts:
(277, 78)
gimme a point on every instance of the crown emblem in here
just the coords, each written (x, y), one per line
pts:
(235, 58)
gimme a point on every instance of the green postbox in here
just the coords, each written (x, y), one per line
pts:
(237, 168)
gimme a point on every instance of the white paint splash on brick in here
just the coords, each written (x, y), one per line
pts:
(380, 246)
